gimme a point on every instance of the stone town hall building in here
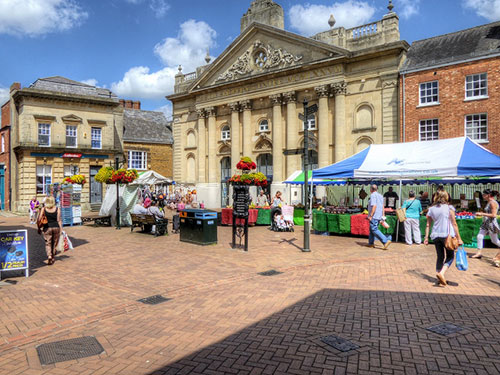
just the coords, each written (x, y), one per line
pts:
(247, 102)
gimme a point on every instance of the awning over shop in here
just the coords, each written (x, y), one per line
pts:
(297, 178)
(455, 157)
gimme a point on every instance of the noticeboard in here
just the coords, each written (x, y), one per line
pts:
(14, 250)
(241, 200)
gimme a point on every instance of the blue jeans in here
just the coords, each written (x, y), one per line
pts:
(376, 233)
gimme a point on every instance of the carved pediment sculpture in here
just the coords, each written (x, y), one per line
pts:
(263, 143)
(259, 57)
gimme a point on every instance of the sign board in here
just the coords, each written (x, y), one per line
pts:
(312, 109)
(301, 117)
(241, 200)
(14, 251)
(72, 156)
(295, 151)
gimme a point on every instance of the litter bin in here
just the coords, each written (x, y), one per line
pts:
(198, 226)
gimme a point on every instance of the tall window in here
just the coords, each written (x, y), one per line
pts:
(429, 93)
(476, 127)
(43, 179)
(311, 123)
(71, 136)
(226, 133)
(138, 160)
(96, 134)
(225, 169)
(476, 86)
(70, 170)
(3, 143)
(44, 135)
(429, 129)
(265, 164)
(263, 126)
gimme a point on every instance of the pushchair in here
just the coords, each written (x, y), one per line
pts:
(282, 219)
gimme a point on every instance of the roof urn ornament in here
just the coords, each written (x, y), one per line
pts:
(207, 57)
(390, 6)
(332, 21)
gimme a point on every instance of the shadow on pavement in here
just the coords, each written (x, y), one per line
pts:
(388, 330)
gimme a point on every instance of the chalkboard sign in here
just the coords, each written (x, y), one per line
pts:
(241, 200)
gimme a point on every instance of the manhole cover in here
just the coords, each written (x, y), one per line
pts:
(66, 350)
(270, 273)
(445, 329)
(339, 343)
(154, 300)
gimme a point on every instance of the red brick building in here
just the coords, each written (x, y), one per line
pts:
(5, 157)
(450, 87)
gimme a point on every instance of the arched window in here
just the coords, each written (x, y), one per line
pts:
(364, 117)
(191, 139)
(263, 126)
(226, 133)
(191, 169)
(313, 160)
(363, 143)
(265, 164)
(225, 169)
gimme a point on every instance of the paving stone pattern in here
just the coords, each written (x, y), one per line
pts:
(225, 318)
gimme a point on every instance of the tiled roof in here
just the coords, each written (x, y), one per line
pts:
(146, 127)
(68, 86)
(481, 41)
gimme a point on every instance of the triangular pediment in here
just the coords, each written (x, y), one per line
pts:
(263, 49)
(72, 118)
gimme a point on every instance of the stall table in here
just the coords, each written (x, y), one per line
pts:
(227, 216)
(263, 216)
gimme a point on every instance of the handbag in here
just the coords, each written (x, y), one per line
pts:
(42, 220)
(461, 259)
(451, 243)
(401, 212)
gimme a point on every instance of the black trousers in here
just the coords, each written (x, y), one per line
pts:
(444, 256)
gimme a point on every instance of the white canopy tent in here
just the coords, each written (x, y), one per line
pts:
(152, 178)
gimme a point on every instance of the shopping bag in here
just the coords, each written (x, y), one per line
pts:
(60, 244)
(461, 261)
(68, 245)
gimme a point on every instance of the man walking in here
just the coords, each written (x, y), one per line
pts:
(375, 213)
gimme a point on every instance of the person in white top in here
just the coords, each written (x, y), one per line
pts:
(443, 217)
(489, 225)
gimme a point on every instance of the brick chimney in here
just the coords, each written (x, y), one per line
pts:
(128, 104)
(15, 86)
(122, 103)
(136, 105)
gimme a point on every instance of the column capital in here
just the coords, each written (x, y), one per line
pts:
(339, 88)
(290, 96)
(235, 106)
(210, 111)
(276, 99)
(322, 91)
(245, 105)
(201, 113)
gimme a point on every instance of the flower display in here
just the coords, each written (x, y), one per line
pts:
(254, 178)
(104, 175)
(75, 179)
(109, 175)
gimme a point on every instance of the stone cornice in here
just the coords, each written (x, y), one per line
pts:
(53, 95)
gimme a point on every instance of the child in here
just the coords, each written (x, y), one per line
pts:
(34, 205)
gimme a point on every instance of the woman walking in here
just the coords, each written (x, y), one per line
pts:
(412, 223)
(443, 217)
(490, 224)
(49, 221)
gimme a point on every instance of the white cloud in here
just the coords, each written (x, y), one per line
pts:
(4, 95)
(166, 109)
(90, 81)
(188, 49)
(489, 9)
(160, 7)
(407, 8)
(38, 17)
(310, 19)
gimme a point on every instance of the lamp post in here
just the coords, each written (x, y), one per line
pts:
(117, 166)
(306, 248)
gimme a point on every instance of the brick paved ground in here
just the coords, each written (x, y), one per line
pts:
(225, 318)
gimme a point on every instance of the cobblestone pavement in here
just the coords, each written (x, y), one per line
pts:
(225, 318)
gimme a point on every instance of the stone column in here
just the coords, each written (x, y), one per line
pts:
(292, 131)
(340, 90)
(235, 134)
(246, 108)
(323, 140)
(277, 139)
(212, 145)
(201, 145)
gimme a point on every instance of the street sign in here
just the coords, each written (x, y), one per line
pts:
(312, 109)
(295, 151)
(301, 117)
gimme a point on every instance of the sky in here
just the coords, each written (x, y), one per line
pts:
(134, 47)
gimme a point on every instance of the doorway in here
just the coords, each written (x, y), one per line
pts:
(95, 187)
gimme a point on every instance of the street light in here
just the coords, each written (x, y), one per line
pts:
(306, 248)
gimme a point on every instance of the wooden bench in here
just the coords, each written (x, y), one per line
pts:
(98, 220)
(142, 221)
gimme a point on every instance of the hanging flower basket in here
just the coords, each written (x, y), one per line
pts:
(108, 175)
(78, 179)
(247, 178)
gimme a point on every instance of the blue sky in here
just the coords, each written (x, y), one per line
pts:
(134, 46)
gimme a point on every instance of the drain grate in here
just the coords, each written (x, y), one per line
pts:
(270, 273)
(154, 300)
(339, 343)
(445, 329)
(66, 350)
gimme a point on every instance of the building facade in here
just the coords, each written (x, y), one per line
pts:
(5, 158)
(247, 102)
(450, 87)
(60, 127)
(147, 141)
